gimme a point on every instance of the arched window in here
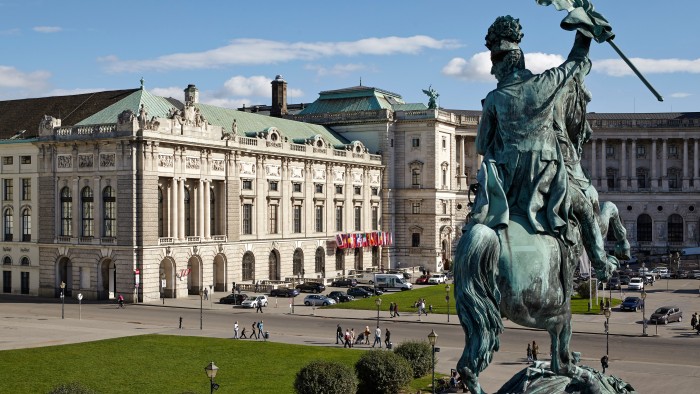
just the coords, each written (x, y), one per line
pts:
(248, 266)
(8, 220)
(66, 212)
(87, 202)
(109, 212)
(644, 229)
(7, 260)
(675, 228)
(298, 262)
(26, 225)
(320, 260)
(188, 231)
(339, 260)
(274, 265)
(24, 260)
(161, 232)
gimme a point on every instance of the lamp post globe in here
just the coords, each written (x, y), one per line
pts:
(378, 302)
(211, 371)
(432, 338)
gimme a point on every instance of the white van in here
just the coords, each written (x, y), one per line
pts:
(390, 281)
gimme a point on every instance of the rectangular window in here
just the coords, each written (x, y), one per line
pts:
(610, 151)
(319, 188)
(375, 191)
(444, 142)
(26, 189)
(415, 240)
(7, 160)
(25, 160)
(247, 219)
(415, 178)
(273, 218)
(273, 186)
(358, 218)
(375, 218)
(7, 189)
(415, 142)
(339, 218)
(358, 190)
(296, 219)
(338, 189)
(444, 207)
(641, 151)
(415, 208)
(673, 151)
(296, 187)
(247, 184)
(319, 218)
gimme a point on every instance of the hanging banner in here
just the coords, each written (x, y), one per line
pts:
(363, 240)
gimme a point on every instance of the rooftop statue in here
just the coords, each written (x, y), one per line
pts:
(432, 97)
(535, 211)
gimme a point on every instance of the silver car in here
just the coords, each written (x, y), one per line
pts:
(254, 301)
(318, 299)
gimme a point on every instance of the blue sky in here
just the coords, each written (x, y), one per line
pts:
(232, 49)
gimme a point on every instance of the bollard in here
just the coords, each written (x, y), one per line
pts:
(181, 322)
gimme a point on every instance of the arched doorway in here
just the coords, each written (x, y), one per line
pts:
(167, 273)
(274, 265)
(194, 279)
(108, 280)
(340, 260)
(219, 273)
(358, 260)
(64, 273)
(320, 261)
(298, 262)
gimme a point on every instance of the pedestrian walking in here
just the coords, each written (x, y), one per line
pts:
(352, 337)
(258, 307)
(367, 332)
(430, 308)
(422, 306)
(602, 305)
(257, 286)
(243, 335)
(396, 309)
(391, 309)
(535, 350)
(529, 353)
(260, 329)
(338, 334)
(235, 330)
(347, 339)
(206, 293)
(387, 339)
(604, 362)
(694, 320)
(377, 337)
(254, 332)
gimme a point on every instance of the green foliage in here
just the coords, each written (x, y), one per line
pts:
(419, 357)
(433, 294)
(583, 289)
(71, 388)
(326, 377)
(382, 372)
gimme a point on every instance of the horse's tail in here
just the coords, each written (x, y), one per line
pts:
(477, 299)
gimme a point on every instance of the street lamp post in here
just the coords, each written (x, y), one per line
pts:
(201, 308)
(447, 298)
(607, 330)
(378, 301)
(211, 370)
(644, 316)
(432, 338)
(63, 299)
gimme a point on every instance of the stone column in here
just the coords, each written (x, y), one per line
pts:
(594, 164)
(173, 214)
(654, 172)
(207, 209)
(200, 208)
(623, 165)
(696, 178)
(686, 179)
(633, 168)
(181, 208)
(603, 166)
(664, 164)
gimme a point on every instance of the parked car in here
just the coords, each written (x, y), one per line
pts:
(344, 282)
(696, 275)
(666, 314)
(680, 274)
(584, 276)
(252, 302)
(649, 279)
(340, 296)
(422, 280)
(318, 299)
(235, 299)
(312, 287)
(613, 283)
(636, 283)
(437, 279)
(624, 280)
(359, 293)
(284, 292)
(632, 304)
(372, 289)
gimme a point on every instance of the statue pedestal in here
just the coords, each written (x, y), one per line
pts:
(539, 379)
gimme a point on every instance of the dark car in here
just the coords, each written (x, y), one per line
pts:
(359, 293)
(344, 282)
(284, 292)
(235, 299)
(613, 283)
(666, 314)
(372, 289)
(680, 274)
(312, 287)
(632, 304)
(624, 280)
(340, 296)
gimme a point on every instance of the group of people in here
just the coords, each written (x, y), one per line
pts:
(348, 338)
(532, 351)
(695, 322)
(420, 304)
(256, 332)
(393, 309)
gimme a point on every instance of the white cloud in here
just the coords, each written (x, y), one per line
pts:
(10, 77)
(248, 86)
(338, 70)
(252, 51)
(478, 67)
(680, 95)
(71, 92)
(226, 102)
(618, 68)
(47, 29)
(175, 92)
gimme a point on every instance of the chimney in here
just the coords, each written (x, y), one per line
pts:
(191, 94)
(279, 97)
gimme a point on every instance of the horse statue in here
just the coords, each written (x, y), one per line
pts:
(536, 210)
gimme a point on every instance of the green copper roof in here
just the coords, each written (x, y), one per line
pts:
(155, 106)
(248, 123)
(358, 98)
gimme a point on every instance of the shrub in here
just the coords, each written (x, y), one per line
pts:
(382, 372)
(325, 377)
(583, 289)
(71, 388)
(418, 354)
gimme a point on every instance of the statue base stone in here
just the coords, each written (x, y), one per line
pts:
(539, 379)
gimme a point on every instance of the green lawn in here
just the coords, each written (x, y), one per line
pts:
(167, 364)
